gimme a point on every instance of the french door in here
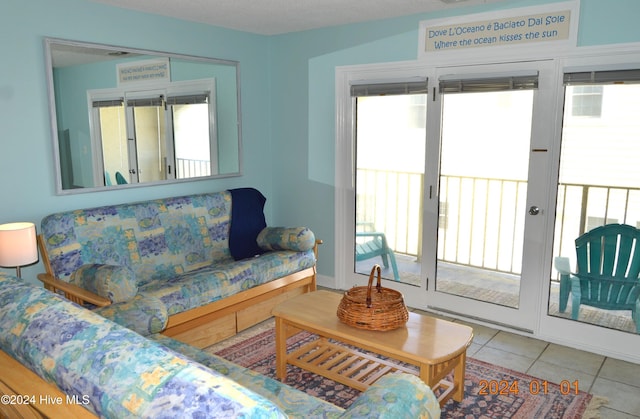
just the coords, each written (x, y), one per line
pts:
(456, 190)
(489, 175)
(490, 169)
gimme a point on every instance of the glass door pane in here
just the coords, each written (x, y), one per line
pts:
(113, 135)
(390, 153)
(484, 163)
(150, 142)
(599, 183)
(191, 138)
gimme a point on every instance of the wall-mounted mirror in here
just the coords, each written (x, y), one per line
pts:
(124, 117)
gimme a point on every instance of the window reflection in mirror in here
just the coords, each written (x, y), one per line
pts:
(160, 133)
(114, 123)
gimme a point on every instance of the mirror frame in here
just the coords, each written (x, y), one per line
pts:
(49, 42)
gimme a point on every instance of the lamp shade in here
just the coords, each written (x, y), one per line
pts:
(18, 244)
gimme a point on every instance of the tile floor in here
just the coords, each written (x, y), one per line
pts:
(618, 381)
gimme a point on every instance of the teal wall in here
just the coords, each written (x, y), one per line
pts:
(287, 85)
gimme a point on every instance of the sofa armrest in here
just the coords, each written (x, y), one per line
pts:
(395, 396)
(72, 292)
(20, 381)
(117, 283)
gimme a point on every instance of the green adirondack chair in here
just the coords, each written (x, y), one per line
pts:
(374, 245)
(608, 264)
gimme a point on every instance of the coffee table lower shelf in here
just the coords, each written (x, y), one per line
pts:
(350, 367)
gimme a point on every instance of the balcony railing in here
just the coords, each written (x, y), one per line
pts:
(481, 220)
(188, 168)
(584, 207)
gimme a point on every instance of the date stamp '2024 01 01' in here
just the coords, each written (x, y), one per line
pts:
(534, 387)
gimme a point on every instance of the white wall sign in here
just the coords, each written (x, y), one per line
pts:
(553, 23)
(144, 71)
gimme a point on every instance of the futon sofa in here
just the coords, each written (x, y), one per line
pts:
(199, 268)
(61, 360)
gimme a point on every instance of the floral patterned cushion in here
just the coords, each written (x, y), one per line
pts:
(117, 283)
(144, 315)
(395, 396)
(157, 239)
(197, 288)
(291, 401)
(118, 372)
(299, 239)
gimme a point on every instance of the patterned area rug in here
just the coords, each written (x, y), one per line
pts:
(490, 391)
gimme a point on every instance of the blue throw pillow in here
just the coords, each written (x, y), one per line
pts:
(247, 221)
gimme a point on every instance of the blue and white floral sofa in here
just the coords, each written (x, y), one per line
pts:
(61, 360)
(199, 268)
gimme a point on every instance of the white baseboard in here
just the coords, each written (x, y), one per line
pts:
(327, 281)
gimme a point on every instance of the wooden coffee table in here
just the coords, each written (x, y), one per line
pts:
(437, 347)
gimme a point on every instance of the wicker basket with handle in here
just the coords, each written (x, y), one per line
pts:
(373, 309)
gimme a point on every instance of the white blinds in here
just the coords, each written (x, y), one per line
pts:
(107, 103)
(188, 99)
(602, 77)
(390, 88)
(489, 84)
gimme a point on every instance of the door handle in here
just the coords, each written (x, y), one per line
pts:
(534, 210)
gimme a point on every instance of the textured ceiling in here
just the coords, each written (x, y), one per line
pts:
(271, 17)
